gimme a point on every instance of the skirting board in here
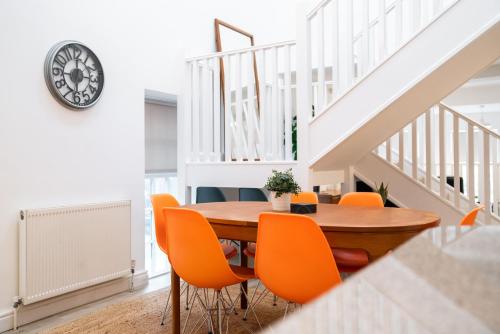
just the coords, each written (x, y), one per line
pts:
(46, 308)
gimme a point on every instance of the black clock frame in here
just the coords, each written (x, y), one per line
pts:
(52, 84)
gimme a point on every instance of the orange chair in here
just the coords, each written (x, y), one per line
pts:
(300, 278)
(308, 197)
(202, 264)
(470, 218)
(160, 201)
(366, 199)
(353, 259)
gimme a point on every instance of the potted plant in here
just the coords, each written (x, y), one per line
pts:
(383, 190)
(282, 185)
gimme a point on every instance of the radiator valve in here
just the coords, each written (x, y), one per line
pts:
(132, 272)
(17, 302)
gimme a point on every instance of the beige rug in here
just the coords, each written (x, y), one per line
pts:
(143, 314)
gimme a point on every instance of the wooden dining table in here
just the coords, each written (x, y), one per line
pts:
(376, 230)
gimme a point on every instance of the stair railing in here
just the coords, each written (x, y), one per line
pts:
(346, 39)
(237, 123)
(451, 155)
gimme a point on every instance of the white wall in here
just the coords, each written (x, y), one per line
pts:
(188, 31)
(51, 156)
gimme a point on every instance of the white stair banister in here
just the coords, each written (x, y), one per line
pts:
(388, 150)
(349, 48)
(365, 38)
(335, 46)
(228, 114)
(196, 112)
(495, 175)
(470, 166)
(288, 104)
(275, 103)
(414, 150)
(216, 110)
(397, 21)
(456, 159)
(239, 108)
(481, 159)
(205, 109)
(401, 148)
(381, 30)
(442, 153)
(486, 177)
(321, 57)
(250, 119)
(263, 112)
(251, 105)
(428, 149)
(188, 68)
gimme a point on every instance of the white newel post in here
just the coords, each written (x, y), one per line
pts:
(304, 97)
(184, 132)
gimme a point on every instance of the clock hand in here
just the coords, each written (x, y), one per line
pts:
(77, 73)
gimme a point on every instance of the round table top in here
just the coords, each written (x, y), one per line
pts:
(330, 217)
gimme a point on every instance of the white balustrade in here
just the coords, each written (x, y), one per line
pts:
(461, 158)
(346, 39)
(246, 114)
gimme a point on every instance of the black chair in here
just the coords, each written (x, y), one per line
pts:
(209, 195)
(252, 195)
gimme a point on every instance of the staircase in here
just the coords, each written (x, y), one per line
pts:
(427, 67)
(358, 74)
(424, 161)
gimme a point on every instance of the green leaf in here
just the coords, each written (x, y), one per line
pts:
(282, 183)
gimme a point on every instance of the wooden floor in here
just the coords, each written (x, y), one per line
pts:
(154, 284)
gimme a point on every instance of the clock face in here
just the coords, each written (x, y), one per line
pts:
(74, 75)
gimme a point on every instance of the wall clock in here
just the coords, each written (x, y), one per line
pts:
(74, 75)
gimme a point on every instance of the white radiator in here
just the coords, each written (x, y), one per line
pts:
(69, 248)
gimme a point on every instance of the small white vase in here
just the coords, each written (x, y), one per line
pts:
(281, 203)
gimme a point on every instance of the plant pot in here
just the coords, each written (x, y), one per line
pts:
(281, 203)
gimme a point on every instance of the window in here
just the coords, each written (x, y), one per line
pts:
(155, 183)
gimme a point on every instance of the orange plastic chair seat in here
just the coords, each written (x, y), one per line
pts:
(203, 264)
(350, 259)
(299, 276)
(229, 250)
(243, 272)
(305, 197)
(470, 218)
(250, 250)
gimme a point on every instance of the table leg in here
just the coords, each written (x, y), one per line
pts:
(243, 263)
(176, 302)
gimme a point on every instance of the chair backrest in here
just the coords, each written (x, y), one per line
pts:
(367, 199)
(293, 258)
(308, 197)
(209, 195)
(194, 250)
(252, 194)
(160, 201)
(470, 218)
